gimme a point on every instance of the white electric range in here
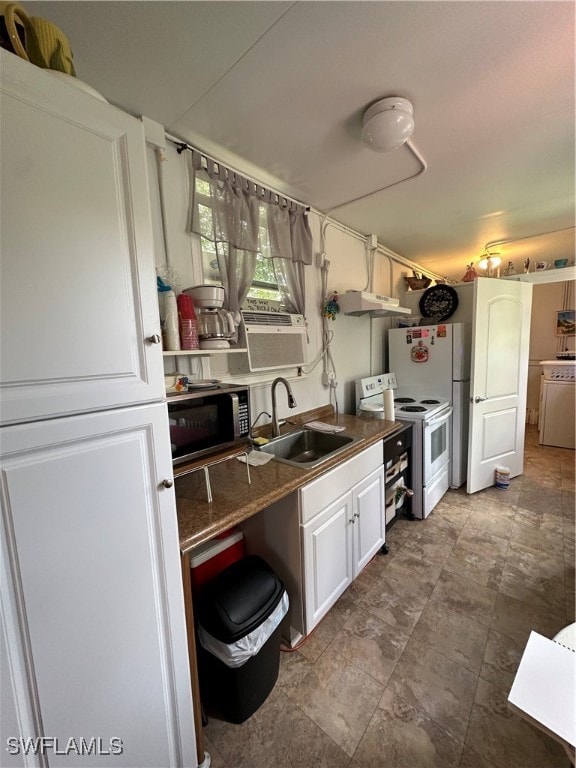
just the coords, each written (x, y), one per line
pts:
(430, 417)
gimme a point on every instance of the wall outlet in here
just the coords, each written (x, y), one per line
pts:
(329, 379)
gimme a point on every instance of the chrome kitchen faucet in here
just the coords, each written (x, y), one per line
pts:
(291, 403)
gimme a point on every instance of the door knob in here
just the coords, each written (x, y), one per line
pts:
(479, 399)
(154, 339)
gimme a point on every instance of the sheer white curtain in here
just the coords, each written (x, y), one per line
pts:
(290, 249)
(243, 219)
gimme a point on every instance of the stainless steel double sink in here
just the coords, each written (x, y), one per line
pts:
(306, 448)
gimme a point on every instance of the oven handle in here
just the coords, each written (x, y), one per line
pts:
(439, 419)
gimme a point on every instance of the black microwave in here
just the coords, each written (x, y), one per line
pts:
(205, 421)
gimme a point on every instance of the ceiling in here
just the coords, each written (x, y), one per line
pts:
(278, 89)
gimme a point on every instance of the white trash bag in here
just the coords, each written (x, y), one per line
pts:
(238, 653)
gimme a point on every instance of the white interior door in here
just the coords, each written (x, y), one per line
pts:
(500, 341)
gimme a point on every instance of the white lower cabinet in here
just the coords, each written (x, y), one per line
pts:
(369, 526)
(327, 547)
(320, 538)
(339, 541)
(94, 641)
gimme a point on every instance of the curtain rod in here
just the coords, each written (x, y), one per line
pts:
(183, 146)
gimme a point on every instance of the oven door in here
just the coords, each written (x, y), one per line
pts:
(436, 444)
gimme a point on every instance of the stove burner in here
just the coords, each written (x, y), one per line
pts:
(404, 400)
(430, 402)
(413, 408)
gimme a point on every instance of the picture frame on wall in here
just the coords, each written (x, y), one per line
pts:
(566, 322)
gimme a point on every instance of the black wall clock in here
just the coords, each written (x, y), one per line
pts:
(439, 302)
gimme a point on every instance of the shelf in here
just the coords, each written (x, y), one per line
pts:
(545, 276)
(200, 352)
(555, 275)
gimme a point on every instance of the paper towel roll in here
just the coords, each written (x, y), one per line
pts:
(389, 404)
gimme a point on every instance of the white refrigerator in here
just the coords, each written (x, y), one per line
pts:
(434, 361)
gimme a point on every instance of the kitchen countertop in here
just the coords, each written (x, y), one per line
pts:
(235, 500)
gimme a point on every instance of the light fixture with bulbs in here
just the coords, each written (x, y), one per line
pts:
(490, 262)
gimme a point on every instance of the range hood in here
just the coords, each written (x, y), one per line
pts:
(362, 302)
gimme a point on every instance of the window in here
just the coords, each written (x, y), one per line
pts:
(265, 282)
(254, 241)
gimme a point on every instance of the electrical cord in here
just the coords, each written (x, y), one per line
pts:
(324, 354)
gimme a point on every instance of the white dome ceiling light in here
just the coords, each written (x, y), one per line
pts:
(388, 124)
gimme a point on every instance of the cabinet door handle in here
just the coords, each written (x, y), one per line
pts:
(167, 483)
(399, 443)
(352, 520)
(154, 339)
(478, 399)
(356, 514)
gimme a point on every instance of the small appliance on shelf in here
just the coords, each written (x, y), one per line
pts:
(215, 325)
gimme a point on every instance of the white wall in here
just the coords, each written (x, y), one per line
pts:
(358, 345)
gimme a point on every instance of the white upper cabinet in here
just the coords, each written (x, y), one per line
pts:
(79, 312)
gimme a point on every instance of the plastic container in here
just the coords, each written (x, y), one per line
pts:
(187, 319)
(559, 370)
(502, 477)
(240, 614)
(170, 324)
(211, 558)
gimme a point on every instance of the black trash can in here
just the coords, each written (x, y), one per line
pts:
(239, 625)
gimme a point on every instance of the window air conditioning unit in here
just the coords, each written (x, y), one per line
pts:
(272, 340)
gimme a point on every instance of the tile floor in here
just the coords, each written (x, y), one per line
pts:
(413, 665)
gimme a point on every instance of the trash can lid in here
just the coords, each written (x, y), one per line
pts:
(239, 599)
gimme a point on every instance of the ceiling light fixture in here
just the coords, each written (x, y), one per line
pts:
(388, 124)
(490, 262)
